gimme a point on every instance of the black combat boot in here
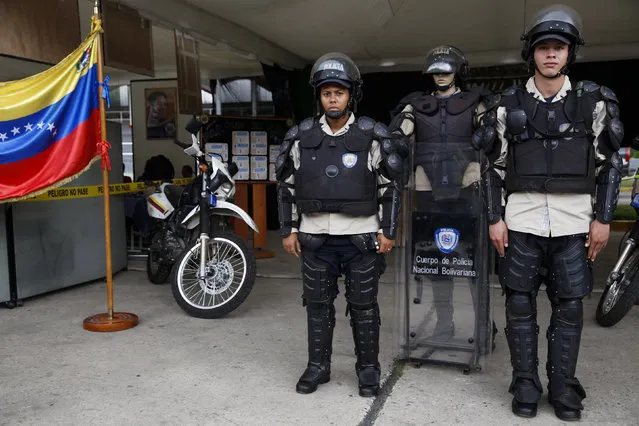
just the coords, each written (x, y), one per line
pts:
(365, 324)
(521, 333)
(565, 393)
(321, 322)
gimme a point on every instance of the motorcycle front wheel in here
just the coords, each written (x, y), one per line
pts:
(618, 298)
(229, 278)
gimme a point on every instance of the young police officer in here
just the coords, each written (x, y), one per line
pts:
(556, 158)
(441, 125)
(339, 206)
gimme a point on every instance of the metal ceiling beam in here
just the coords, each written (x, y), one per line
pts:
(215, 30)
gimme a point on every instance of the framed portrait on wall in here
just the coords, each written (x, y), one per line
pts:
(161, 112)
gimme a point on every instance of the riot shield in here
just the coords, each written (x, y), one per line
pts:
(445, 309)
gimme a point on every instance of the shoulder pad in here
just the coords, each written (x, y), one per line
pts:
(286, 146)
(608, 94)
(406, 100)
(365, 123)
(511, 91)
(401, 145)
(292, 133)
(410, 97)
(482, 91)
(457, 104)
(589, 86)
(380, 131)
(388, 146)
(491, 101)
(307, 124)
(283, 165)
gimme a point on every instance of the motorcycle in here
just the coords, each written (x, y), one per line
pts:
(212, 270)
(622, 284)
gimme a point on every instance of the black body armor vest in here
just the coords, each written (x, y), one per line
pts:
(550, 145)
(333, 175)
(443, 131)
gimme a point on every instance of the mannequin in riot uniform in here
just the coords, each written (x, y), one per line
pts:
(439, 123)
(334, 172)
(556, 162)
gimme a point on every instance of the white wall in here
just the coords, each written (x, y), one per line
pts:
(143, 148)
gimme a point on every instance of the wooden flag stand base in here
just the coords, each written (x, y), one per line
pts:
(117, 322)
(110, 321)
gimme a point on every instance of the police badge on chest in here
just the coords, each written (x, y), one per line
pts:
(349, 160)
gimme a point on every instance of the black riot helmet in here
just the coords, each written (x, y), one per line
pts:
(336, 67)
(445, 60)
(558, 22)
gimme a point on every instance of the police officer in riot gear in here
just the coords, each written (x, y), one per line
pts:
(556, 162)
(442, 125)
(334, 173)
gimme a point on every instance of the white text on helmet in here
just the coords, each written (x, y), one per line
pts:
(441, 51)
(331, 65)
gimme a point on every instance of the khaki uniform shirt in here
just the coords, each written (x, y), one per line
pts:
(545, 214)
(338, 223)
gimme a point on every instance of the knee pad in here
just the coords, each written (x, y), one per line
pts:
(519, 271)
(569, 311)
(362, 278)
(519, 305)
(570, 275)
(370, 311)
(316, 280)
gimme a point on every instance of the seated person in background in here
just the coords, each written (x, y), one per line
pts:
(187, 171)
(157, 168)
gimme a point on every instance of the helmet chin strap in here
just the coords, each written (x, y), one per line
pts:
(339, 114)
(446, 87)
(336, 114)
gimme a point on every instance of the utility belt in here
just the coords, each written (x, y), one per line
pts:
(365, 242)
(353, 208)
(579, 185)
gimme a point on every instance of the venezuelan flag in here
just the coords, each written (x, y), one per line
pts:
(50, 124)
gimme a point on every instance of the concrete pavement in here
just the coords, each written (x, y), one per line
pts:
(241, 370)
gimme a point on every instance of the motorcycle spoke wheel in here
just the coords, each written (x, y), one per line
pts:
(225, 274)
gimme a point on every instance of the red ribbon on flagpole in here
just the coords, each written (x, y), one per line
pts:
(103, 149)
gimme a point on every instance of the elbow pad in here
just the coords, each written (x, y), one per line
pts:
(493, 184)
(607, 189)
(391, 203)
(285, 201)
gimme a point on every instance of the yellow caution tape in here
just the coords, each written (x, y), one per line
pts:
(98, 190)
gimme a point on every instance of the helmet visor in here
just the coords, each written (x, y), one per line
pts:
(440, 67)
(550, 37)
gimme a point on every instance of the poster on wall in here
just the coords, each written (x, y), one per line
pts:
(161, 112)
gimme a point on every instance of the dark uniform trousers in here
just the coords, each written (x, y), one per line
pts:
(324, 259)
(568, 279)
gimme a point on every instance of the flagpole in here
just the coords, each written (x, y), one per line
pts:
(110, 321)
